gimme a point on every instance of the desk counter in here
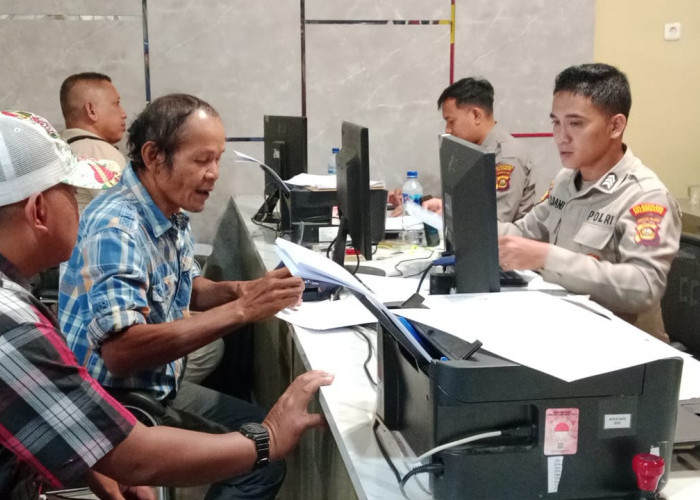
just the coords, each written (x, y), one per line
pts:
(347, 462)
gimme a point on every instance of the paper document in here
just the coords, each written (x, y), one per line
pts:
(306, 264)
(423, 215)
(328, 314)
(543, 332)
(397, 223)
(322, 181)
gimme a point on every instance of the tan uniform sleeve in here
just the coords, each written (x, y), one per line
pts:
(532, 225)
(645, 244)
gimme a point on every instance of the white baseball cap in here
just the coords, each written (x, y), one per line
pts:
(34, 158)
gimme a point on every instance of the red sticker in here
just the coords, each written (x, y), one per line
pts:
(561, 431)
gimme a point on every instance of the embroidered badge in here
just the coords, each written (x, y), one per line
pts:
(545, 196)
(648, 217)
(503, 173)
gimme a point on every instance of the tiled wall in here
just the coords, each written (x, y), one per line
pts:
(364, 62)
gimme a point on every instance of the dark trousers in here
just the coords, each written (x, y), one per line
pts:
(198, 408)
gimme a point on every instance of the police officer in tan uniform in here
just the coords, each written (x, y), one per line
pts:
(467, 108)
(607, 226)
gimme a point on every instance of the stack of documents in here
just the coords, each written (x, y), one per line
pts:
(306, 264)
(322, 182)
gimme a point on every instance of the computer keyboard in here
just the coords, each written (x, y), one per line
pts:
(511, 278)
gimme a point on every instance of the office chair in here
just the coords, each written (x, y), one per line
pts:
(681, 303)
(149, 412)
(45, 288)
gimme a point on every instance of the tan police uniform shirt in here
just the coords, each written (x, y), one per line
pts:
(614, 240)
(92, 148)
(515, 189)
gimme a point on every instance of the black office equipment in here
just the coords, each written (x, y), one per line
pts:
(433, 402)
(681, 302)
(469, 210)
(285, 147)
(286, 156)
(511, 279)
(362, 210)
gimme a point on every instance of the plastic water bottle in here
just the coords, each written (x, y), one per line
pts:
(332, 161)
(412, 193)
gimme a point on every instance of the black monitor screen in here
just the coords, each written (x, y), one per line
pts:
(469, 206)
(352, 175)
(285, 147)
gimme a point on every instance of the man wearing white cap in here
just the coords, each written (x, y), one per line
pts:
(56, 422)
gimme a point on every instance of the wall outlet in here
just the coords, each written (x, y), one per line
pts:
(672, 31)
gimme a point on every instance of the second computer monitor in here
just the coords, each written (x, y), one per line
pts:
(469, 206)
(285, 147)
(352, 175)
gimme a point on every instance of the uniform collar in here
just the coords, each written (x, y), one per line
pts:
(155, 218)
(613, 179)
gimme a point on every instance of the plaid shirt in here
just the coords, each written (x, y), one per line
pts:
(131, 265)
(55, 421)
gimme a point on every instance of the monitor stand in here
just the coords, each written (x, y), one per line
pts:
(374, 271)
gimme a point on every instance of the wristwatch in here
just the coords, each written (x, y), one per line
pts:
(258, 433)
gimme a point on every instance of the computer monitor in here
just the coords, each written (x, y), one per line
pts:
(352, 175)
(469, 210)
(285, 147)
(286, 155)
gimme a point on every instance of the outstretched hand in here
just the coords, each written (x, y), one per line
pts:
(289, 418)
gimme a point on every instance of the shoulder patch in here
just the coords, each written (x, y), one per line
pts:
(503, 173)
(648, 216)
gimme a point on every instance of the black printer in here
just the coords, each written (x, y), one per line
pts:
(570, 440)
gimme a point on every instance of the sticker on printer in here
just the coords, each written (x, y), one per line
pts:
(617, 421)
(561, 431)
(555, 466)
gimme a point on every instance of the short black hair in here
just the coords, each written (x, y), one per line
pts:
(606, 86)
(161, 123)
(71, 81)
(469, 91)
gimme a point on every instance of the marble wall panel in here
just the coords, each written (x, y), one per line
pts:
(71, 7)
(386, 78)
(243, 57)
(520, 47)
(378, 9)
(35, 66)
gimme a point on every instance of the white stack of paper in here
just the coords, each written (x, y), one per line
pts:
(306, 264)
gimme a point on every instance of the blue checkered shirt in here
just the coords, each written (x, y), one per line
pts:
(131, 265)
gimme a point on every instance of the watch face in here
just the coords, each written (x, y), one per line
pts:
(254, 428)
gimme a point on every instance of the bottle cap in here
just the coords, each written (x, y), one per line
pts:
(336, 150)
(649, 469)
(411, 174)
